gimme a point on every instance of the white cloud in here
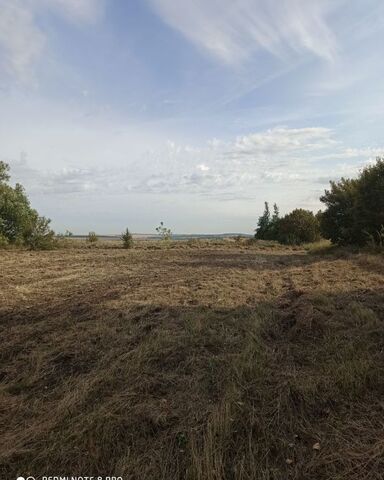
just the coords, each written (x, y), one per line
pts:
(233, 31)
(203, 168)
(90, 174)
(278, 159)
(23, 42)
(277, 140)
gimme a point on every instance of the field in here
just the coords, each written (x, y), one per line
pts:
(204, 360)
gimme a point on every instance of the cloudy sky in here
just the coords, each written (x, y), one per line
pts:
(120, 113)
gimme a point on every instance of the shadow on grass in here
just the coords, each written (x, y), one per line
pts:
(193, 392)
(252, 260)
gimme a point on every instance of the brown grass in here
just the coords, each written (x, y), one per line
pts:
(192, 360)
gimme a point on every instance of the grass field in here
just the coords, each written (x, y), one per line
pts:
(202, 360)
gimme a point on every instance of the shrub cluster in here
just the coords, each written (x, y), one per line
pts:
(20, 224)
(299, 226)
(355, 208)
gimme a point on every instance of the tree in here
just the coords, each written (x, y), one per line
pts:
(127, 239)
(276, 214)
(273, 228)
(164, 232)
(369, 214)
(299, 226)
(4, 175)
(338, 221)
(263, 224)
(355, 207)
(267, 226)
(19, 222)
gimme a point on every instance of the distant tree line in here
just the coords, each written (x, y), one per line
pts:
(354, 214)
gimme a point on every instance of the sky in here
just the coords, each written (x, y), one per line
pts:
(125, 113)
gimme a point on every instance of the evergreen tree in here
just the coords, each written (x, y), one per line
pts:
(127, 239)
(276, 214)
(263, 223)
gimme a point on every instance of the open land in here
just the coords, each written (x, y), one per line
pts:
(202, 360)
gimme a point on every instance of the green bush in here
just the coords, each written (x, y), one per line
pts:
(20, 224)
(127, 239)
(299, 226)
(3, 241)
(92, 238)
(355, 208)
(39, 236)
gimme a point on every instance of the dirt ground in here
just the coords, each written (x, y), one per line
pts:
(200, 360)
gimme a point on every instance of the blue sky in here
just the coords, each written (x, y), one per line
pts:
(120, 113)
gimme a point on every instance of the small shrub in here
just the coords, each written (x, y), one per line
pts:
(127, 239)
(3, 241)
(321, 247)
(38, 235)
(66, 234)
(376, 241)
(239, 239)
(92, 238)
(164, 232)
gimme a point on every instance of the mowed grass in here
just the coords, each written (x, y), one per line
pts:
(194, 360)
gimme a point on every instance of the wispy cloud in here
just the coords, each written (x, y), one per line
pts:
(23, 42)
(233, 31)
(275, 159)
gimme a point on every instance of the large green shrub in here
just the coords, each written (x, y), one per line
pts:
(299, 226)
(20, 224)
(355, 208)
(38, 235)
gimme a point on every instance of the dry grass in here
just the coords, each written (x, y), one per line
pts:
(192, 360)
